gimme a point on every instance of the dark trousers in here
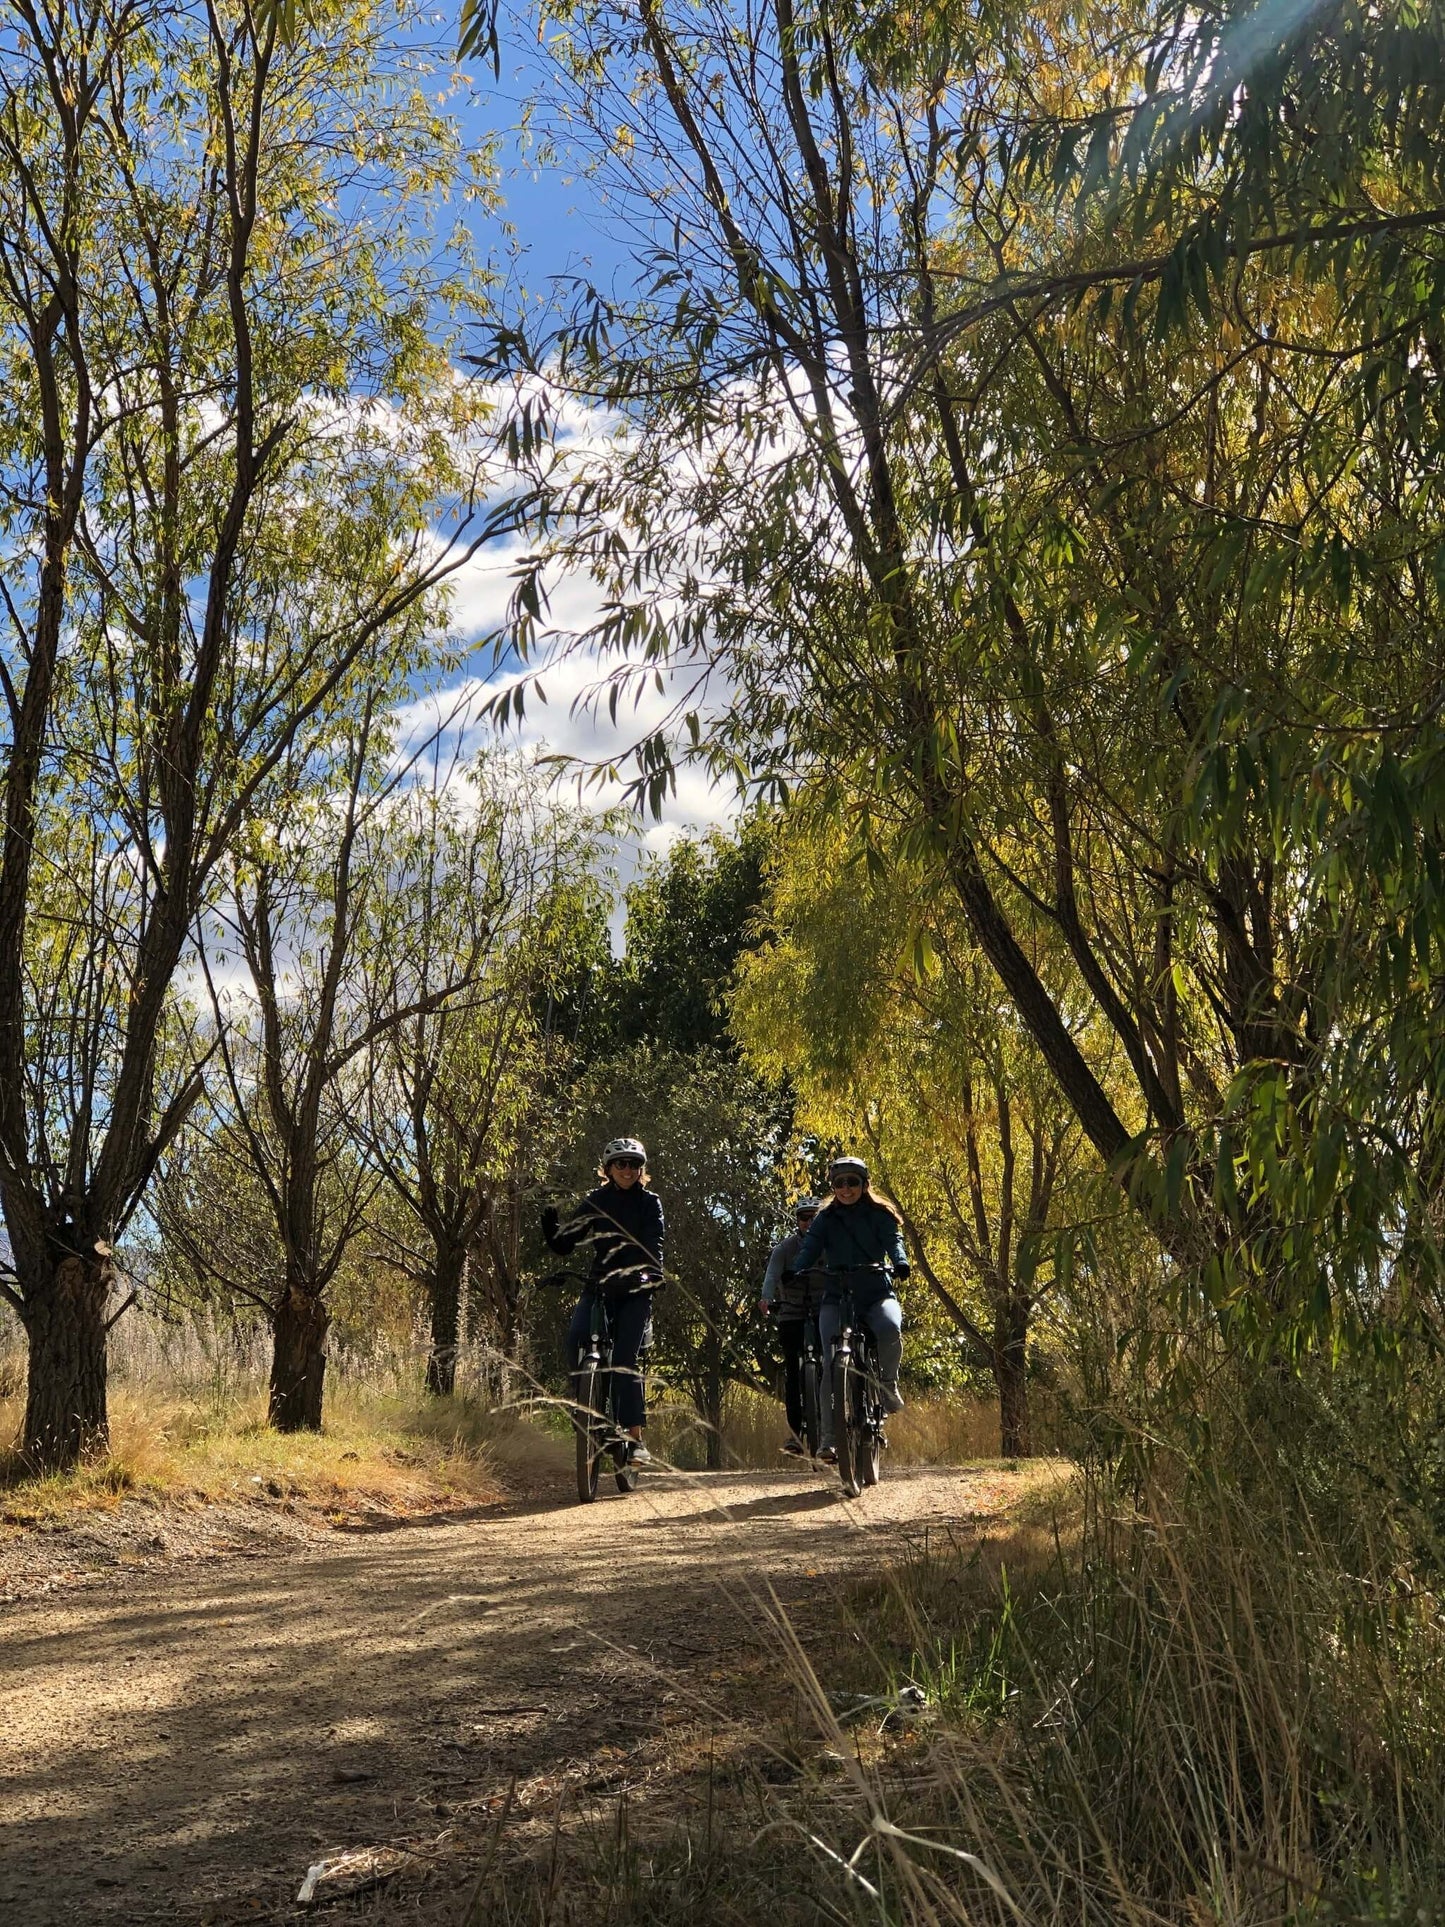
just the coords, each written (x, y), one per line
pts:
(790, 1337)
(627, 1320)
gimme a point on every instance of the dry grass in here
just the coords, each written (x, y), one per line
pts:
(939, 1430)
(198, 1435)
(1167, 1704)
(943, 1429)
(1172, 1703)
(188, 1411)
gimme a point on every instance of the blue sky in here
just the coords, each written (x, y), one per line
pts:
(564, 226)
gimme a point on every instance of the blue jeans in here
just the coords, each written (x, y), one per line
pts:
(884, 1318)
(627, 1320)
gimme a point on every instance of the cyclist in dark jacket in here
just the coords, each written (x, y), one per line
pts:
(792, 1297)
(621, 1226)
(858, 1241)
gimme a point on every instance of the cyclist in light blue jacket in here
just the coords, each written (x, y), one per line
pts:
(791, 1297)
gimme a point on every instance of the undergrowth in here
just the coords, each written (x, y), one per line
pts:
(1207, 1691)
(1184, 1700)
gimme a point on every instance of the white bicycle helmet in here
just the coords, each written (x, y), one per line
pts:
(623, 1147)
(847, 1168)
(813, 1205)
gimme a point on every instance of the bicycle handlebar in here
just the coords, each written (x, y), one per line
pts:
(555, 1280)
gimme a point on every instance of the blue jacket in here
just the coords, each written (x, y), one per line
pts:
(851, 1239)
(622, 1231)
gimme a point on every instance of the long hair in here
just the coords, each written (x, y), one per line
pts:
(868, 1196)
(877, 1197)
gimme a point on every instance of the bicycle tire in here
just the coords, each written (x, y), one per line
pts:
(863, 1445)
(588, 1429)
(811, 1414)
(867, 1459)
(843, 1435)
(624, 1471)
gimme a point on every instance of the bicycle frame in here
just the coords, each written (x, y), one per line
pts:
(855, 1340)
(599, 1338)
(599, 1352)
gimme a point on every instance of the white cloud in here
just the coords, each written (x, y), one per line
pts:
(565, 716)
(481, 590)
(568, 719)
(573, 722)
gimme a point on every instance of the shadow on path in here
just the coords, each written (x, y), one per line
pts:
(776, 1506)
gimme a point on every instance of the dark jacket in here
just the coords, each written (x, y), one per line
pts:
(849, 1242)
(622, 1234)
(791, 1293)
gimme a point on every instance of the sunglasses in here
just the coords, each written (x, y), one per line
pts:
(625, 1164)
(847, 1184)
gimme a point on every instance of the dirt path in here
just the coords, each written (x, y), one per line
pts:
(180, 1744)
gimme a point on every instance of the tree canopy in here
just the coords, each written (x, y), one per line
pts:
(1032, 455)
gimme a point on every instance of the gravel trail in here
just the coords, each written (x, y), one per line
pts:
(179, 1743)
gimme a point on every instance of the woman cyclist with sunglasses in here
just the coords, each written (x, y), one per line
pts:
(858, 1242)
(621, 1224)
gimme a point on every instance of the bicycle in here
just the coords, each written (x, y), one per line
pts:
(593, 1387)
(810, 1371)
(858, 1415)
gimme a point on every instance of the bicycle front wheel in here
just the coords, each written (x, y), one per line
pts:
(867, 1457)
(587, 1425)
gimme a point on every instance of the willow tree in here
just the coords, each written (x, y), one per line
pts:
(870, 997)
(330, 939)
(223, 420)
(463, 1081)
(1044, 450)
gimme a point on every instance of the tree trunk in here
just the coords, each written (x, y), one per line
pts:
(65, 1413)
(298, 1361)
(1010, 1371)
(714, 1391)
(448, 1275)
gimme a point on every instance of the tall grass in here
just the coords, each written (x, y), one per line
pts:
(188, 1417)
(188, 1408)
(1175, 1704)
(1186, 1703)
(1203, 1690)
(943, 1429)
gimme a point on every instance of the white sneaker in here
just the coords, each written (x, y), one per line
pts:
(891, 1396)
(639, 1455)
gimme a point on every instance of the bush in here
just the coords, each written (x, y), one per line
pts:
(1179, 1701)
